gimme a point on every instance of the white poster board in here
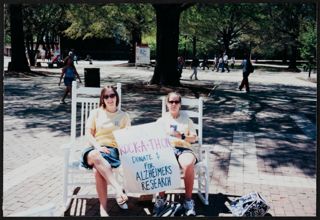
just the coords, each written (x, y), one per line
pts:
(142, 55)
(147, 158)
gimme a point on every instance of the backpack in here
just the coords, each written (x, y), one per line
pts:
(250, 67)
(250, 205)
(171, 209)
(69, 73)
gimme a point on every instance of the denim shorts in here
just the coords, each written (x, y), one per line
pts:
(180, 150)
(112, 157)
(68, 81)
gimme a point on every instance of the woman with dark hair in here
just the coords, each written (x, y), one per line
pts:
(247, 68)
(182, 134)
(69, 72)
(103, 154)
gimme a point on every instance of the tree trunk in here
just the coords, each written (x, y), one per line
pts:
(293, 59)
(165, 72)
(194, 46)
(185, 49)
(19, 61)
(31, 52)
(226, 42)
(284, 54)
(136, 38)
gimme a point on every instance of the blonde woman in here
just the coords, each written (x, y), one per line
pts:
(181, 129)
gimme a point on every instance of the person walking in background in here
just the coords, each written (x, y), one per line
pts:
(220, 64)
(216, 62)
(225, 62)
(49, 54)
(233, 61)
(194, 66)
(69, 73)
(88, 58)
(75, 57)
(247, 68)
(205, 63)
(71, 55)
(180, 64)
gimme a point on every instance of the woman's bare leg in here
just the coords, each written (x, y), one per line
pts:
(104, 168)
(101, 187)
(186, 161)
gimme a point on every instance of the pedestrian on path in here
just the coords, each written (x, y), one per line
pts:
(194, 65)
(182, 133)
(205, 63)
(215, 62)
(180, 64)
(225, 63)
(103, 154)
(68, 74)
(88, 58)
(220, 64)
(233, 61)
(247, 68)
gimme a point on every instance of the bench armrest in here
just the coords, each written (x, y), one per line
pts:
(204, 156)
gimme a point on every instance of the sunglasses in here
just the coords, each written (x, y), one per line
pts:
(109, 96)
(175, 102)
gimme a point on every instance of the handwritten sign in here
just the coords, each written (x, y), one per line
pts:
(142, 55)
(148, 160)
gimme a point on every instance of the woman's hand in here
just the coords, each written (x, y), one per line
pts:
(176, 134)
(103, 149)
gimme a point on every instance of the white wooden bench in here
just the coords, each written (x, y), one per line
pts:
(195, 111)
(84, 99)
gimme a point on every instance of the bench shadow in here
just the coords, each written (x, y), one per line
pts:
(90, 207)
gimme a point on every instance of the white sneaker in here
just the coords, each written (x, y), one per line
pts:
(189, 207)
(158, 205)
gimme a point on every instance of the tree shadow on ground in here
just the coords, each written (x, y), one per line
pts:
(279, 140)
(38, 105)
(268, 116)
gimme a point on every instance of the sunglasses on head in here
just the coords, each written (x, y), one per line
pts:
(176, 102)
(109, 96)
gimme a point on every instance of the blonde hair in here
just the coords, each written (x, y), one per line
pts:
(173, 93)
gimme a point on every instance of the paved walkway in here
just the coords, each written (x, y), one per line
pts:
(263, 141)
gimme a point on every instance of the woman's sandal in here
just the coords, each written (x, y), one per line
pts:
(103, 212)
(121, 200)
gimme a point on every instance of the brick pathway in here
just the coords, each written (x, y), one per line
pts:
(263, 141)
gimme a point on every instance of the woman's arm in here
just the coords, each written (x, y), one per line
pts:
(91, 138)
(61, 76)
(77, 74)
(90, 133)
(191, 138)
